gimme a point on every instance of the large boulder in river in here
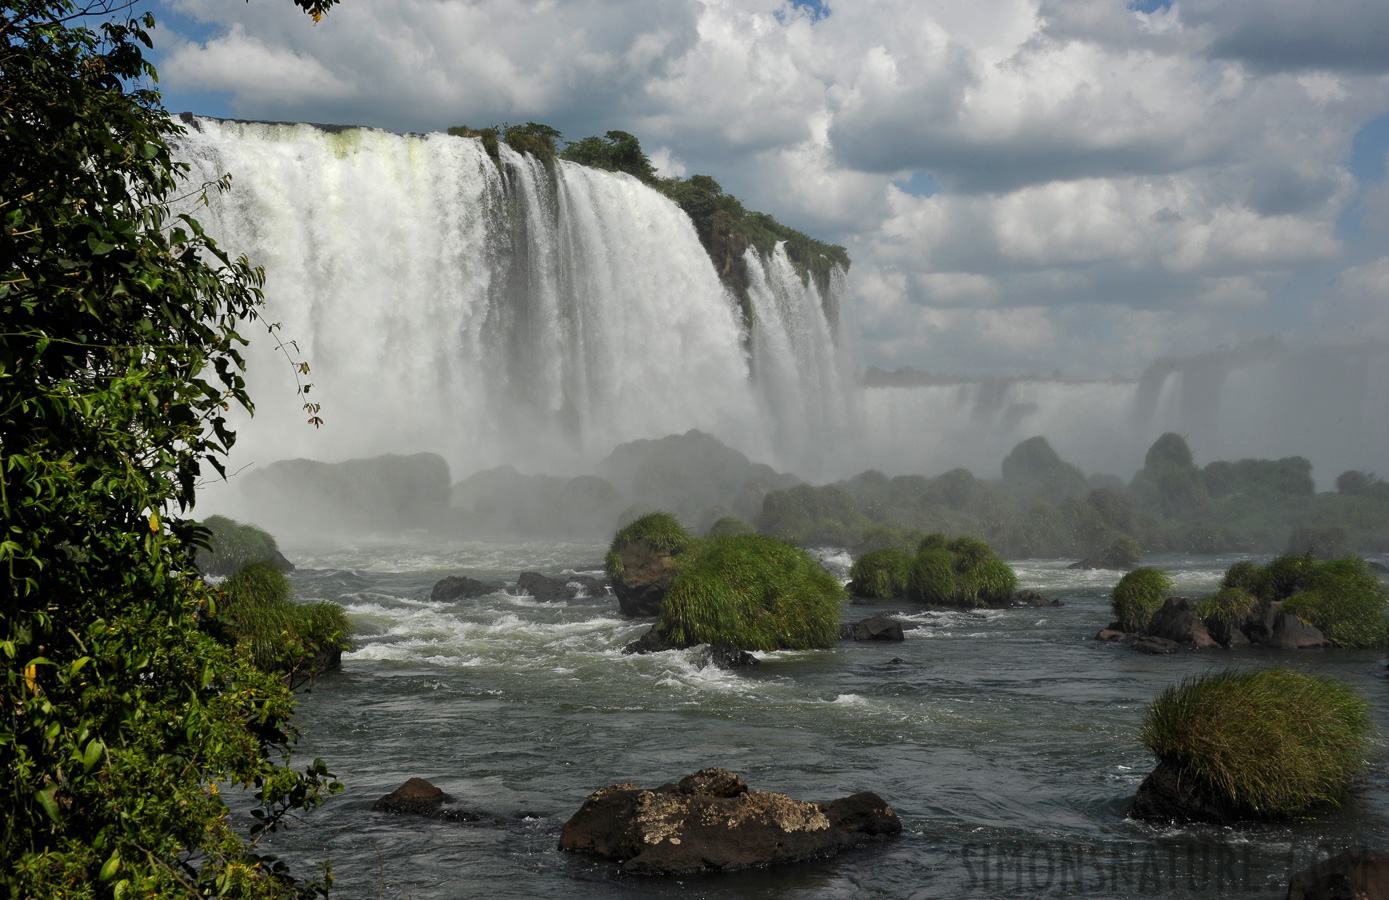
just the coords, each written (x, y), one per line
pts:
(566, 588)
(1176, 621)
(459, 587)
(641, 562)
(712, 821)
(1353, 875)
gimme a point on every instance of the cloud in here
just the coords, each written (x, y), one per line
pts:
(1114, 184)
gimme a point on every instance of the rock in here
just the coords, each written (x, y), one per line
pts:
(1113, 635)
(456, 587)
(540, 587)
(1354, 875)
(1176, 621)
(1291, 633)
(646, 577)
(721, 656)
(712, 821)
(1258, 627)
(727, 656)
(415, 797)
(878, 628)
(1032, 598)
(1377, 567)
(1167, 796)
(1154, 646)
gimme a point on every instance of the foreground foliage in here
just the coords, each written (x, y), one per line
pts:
(120, 714)
(1270, 743)
(753, 592)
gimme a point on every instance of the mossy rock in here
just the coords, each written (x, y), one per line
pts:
(234, 544)
(1137, 596)
(1346, 602)
(278, 634)
(660, 530)
(964, 572)
(754, 593)
(1258, 744)
(881, 574)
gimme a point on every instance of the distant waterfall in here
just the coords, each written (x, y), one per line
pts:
(504, 314)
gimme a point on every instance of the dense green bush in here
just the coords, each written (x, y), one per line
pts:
(964, 572)
(881, 573)
(280, 635)
(1268, 743)
(661, 530)
(234, 545)
(1226, 609)
(1345, 600)
(1122, 553)
(1033, 470)
(754, 592)
(1138, 595)
(809, 515)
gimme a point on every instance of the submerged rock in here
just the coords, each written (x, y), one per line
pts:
(720, 656)
(417, 797)
(564, 588)
(876, 628)
(712, 821)
(1165, 796)
(1354, 875)
(457, 587)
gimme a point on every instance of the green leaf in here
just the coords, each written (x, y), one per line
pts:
(95, 750)
(99, 247)
(110, 867)
(50, 806)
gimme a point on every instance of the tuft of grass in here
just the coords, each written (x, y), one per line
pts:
(233, 545)
(1270, 743)
(881, 573)
(1138, 595)
(659, 529)
(279, 634)
(1285, 576)
(963, 572)
(1245, 575)
(1226, 609)
(754, 592)
(1345, 600)
(731, 525)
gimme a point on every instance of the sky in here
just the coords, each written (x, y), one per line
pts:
(1072, 187)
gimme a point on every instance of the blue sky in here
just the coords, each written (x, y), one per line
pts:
(1024, 185)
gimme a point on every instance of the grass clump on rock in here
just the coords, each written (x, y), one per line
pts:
(964, 572)
(1265, 744)
(731, 525)
(279, 634)
(1346, 602)
(1137, 596)
(661, 530)
(755, 593)
(881, 574)
(233, 545)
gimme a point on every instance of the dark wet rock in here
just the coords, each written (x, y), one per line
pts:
(1154, 646)
(1113, 635)
(1354, 875)
(1258, 626)
(646, 577)
(722, 656)
(1032, 598)
(456, 587)
(877, 628)
(1176, 621)
(1169, 795)
(1291, 633)
(727, 656)
(415, 797)
(567, 587)
(712, 821)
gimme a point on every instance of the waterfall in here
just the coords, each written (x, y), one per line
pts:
(503, 313)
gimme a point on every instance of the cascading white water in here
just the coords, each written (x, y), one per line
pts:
(508, 315)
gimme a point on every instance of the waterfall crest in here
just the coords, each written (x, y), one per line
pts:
(502, 313)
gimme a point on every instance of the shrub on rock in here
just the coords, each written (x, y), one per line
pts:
(659, 530)
(1137, 596)
(964, 572)
(279, 634)
(881, 574)
(1345, 600)
(753, 592)
(1258, 744)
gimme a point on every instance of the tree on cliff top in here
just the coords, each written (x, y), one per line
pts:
(120, 714)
